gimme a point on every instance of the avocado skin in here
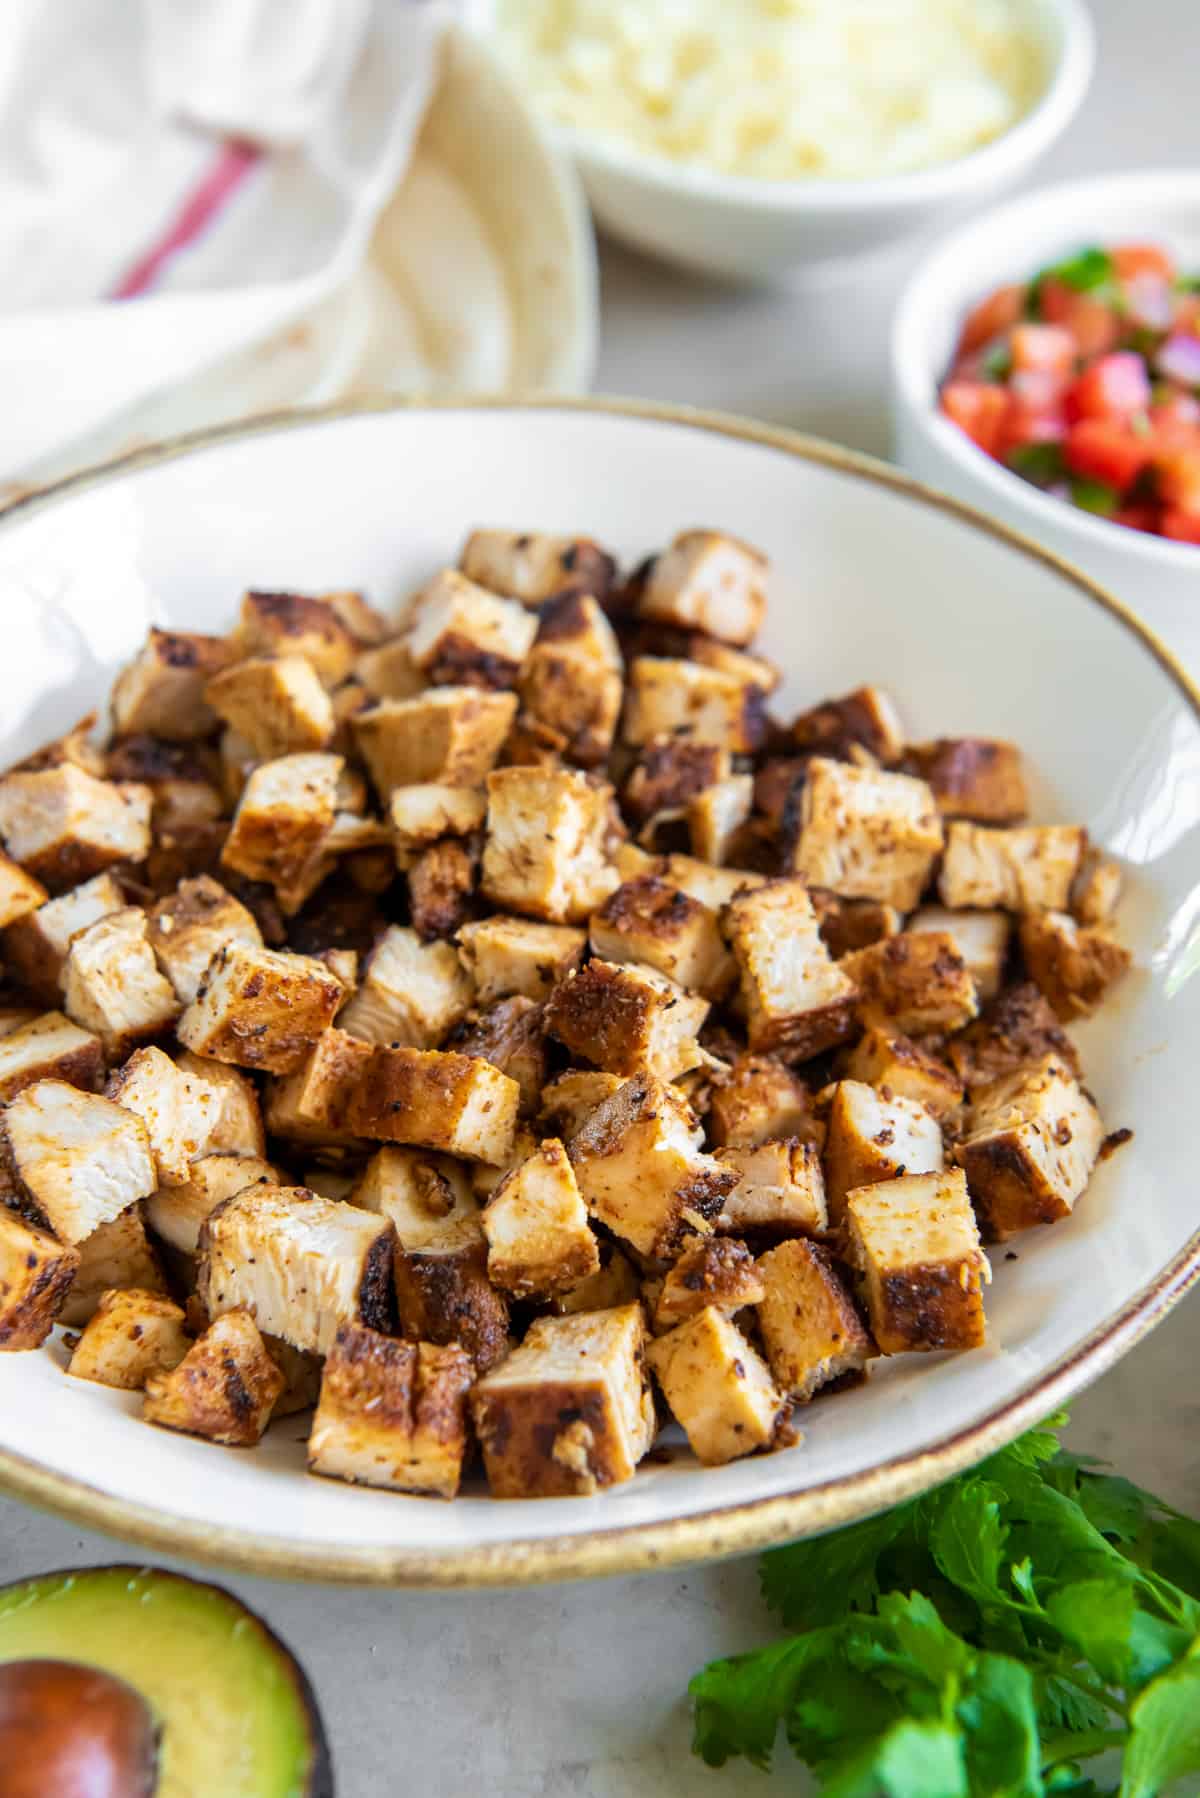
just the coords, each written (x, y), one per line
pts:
(319, 1783)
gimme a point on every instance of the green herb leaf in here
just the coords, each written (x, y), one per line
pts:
(1087, 272)
(1164, 1742)
(997, 362)
(1041, 463)
(1095, 496)
(824, 1580)
(913, 1760)
(999, 1715)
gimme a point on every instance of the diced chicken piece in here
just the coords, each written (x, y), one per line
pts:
(669, 773)
(915, 983)
(1031, 1142)
(387, 672)
(1017, 1030)
(436, 1100)
(237, 1128)
(16, 1017)
(760, 1100)
(714, 654)
(461, 635)
(63, 824)
(225, 1388)
(299, 1264)
(901, 1068)
(299, 624)
(50, 1048)
(915, 1245)
(649, 921)
(718, 1387)
(626, 1019)
(176, 1213)
(162, 691)
(867, 834)
(537, 1229)
(570, 1411)
(36, 1271)
(1074, 964)
(1021, 870)
(116, 1254)
(450, 736)
(392, 1414)
(1096, 889)
(570, 1099)
(177, 1109)
(511, 1036)
(715, 816)
(614, 1283)
(301, 1377)
(795, 998)
(535, 567)
(547, 848)
(571, 684)
(365, 623)
(664, 697)
(640, 1170)
(714, 887)
(441, 887)
(508, 956)
(313, 1105)
(973, 778)
(278, 706)
(411, 992)
(35, 948)
(781, 1187)
(707, 582)
(80, 1158)
(867, 717)
(981, 938)
(112, 985)
(188, 927)
(75, 745)
(812, 1330)
(850, 924)
(130, 1336)
(873, 1138)
(486, 1176)
(283, 818)
(20, 893)
(422, 815)
(260, 1008)
(714, 1271)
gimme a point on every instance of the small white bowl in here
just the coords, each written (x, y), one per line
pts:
(756, 230)
(1160, 579)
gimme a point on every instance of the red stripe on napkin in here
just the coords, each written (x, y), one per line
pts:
(229, 169)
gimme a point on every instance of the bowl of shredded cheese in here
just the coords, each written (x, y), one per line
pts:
(754, 137)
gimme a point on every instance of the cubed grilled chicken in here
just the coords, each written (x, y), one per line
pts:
(547, 846)
(162, 691)
(237, 1128)
(571, 683)
(626, 1019)
(301, 624)
(865, 719)
(112, 985)
(900, 1068)
(178, 1109)
(915, 1244)
(1019, 870)
(225, 1388)
(761, 1099)
(650, 921)
(116, 1254)
(916, 983)
(80, 1159)
(795, 999)
(536, 1224)
(189, 926)
(36, 947)
(1074, 964)
(177, 1213)
(718, 1387)
(51, 1047)
(130, 1336)
(447, 735)
(812, 1331)
(410, 992)
(973, 778)
(867, 834)
(1032, 1139)
(259, 1008)
(63, 825)
(874, 1138)
(535, 566)
(664, 697)
(20, 893)
(715, 1271)
(508, 956)
(780, 1187)
(284, 818)
(422, 815)
(710, 582)
(435, 1099)
(392, 1413)
(460, 635)
(36, 1271)
(276, 704)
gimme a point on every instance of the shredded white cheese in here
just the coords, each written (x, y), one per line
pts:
(781, 89)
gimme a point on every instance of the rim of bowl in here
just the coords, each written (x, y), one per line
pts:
(751, 1523)
(1051, 113)
(915, 379)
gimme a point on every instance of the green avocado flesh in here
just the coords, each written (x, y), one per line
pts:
(234, 1709)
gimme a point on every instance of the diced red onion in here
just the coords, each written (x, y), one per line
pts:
(1179, 359)
(1150, 302)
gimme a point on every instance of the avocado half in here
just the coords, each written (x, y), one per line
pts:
(227, 1711)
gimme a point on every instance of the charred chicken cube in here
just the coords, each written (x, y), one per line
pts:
(299, 624)
(177, 1213)
(900, 1068)
(237, 1127)
(665, 697)
(1016, 1030)
(283, 818)
(36, 1271)
(874, 1138)
(20, 893)
(79, 1158)
(510, 956)
(795, 998)
(650, 921)
(626, 1019)
(49, 1048)
(313, 1105)
(972, 778)
(866, 834)
(112, 985)
(130, 1335)
(1031, 1142)
(260, 1008)
(301, 1377)
(915, 1244)
(410, 992)
(570, 1411)
(641, 1172)
(461, 635)
(714, 887)
(434, 1099)
(510, 1035)
(668, 775)
(812, 1330)
(63, 825)
(386, 672)
(276, 705)
(570, 1099)
(1020, 870)
(867, 718)
(450, 736)
(177, 1109)
(225, 1387)
(707, 582)
(571, 684)
(781, 1186)
(714, 1271)
(1096, 889)
(759, 1100)
(441, 885)
(116, 1254)
(422, 815)
(392, 1414)
(547, 847)
(1074, 964)
(615, 1282)
(35, 947)
(535, 567)
(162, 691)
(718, 1387)
(850, 924)
(188, 927)
(299, 1264)
(981, 938)
(916, 983)
(715, 816)
(537, 1229)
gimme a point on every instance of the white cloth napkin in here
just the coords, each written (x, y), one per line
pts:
(220, 162)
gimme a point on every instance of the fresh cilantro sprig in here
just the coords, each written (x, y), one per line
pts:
(983, 1641)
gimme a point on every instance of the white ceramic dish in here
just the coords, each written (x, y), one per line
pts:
(758, 230)
(1160, 579)
(874, 579)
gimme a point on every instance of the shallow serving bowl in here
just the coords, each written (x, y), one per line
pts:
(973, 631)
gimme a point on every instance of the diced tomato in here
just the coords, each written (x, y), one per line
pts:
(1094, 326)
(1187, 313)
(1113, 386)
(1176, 421)
(1141, 517)
(1035, 411)
(978, 409)
(1178, 474)
(999, 312)
(1132, 259)
(1103, 449)
(1042, 348)
(1184, 527)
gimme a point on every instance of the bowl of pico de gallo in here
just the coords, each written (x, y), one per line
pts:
(1046, 368)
